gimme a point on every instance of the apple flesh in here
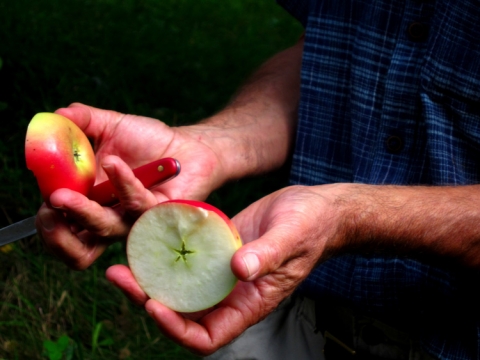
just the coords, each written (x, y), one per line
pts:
(179, 252)
(59, 154)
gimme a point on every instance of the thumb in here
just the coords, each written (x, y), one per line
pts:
(262, 256)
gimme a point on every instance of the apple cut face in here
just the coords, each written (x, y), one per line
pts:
(180, 255)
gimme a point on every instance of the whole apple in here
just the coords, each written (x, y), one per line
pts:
(59, 154)
(179, 252)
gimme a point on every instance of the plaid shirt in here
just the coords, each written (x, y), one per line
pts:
(390, 94)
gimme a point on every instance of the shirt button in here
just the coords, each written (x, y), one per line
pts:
(394, 144)
(417, 31)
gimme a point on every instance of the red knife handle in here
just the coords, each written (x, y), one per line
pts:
(154, 173)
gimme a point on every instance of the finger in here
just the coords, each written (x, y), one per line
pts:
(179, 327)
(133, 196)
(204, 337)
(122, 277)
(92, 121)
(183, 331)
(218, 327)
(102, 221)
(58, 237)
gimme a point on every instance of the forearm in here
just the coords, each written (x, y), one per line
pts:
(255, 132)
(413, 220)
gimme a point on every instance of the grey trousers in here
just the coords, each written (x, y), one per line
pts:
(287, 333)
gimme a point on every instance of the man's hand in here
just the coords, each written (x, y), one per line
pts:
(290, 231)
(285, 235)
(78, 230)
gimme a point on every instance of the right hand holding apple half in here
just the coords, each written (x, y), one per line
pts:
(179, 252)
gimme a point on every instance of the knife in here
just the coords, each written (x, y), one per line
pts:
(154, 173)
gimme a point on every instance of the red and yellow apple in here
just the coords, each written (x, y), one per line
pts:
(59, 154)
(179, 252)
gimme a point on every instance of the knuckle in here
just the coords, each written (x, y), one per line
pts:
(135, 207)
(82, 261)
(104, 231)
(78, 265)
(275, 254)
(54, 247)
(112, 231)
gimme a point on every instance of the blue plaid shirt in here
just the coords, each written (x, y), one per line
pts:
(390, 94)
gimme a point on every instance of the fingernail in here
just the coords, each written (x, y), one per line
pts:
(47, 220)
(251, 263)
(149, 310)
(108, 168)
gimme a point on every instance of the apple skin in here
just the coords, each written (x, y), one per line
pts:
(59, 154)
(179, 252)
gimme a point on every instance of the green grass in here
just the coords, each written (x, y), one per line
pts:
(175, 60)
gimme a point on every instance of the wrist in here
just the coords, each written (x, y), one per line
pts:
(228, 154)
(243, 143)
(376, 218)
(370, 217)
(418, 221)
(339, 217)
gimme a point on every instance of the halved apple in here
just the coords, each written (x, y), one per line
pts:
(59, 154)
(179, 252)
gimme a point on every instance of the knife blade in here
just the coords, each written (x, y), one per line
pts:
(154, 173)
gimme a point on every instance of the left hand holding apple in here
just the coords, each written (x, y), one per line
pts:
(285, 235)
(81, 237)
(123, 142)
